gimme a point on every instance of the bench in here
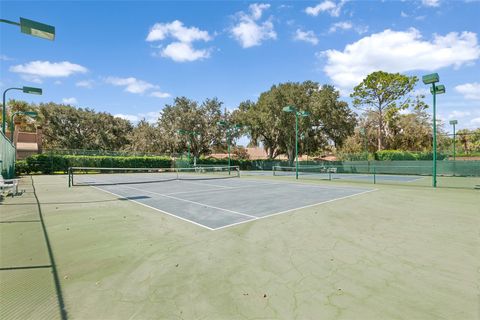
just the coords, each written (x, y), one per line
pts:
(8, 186)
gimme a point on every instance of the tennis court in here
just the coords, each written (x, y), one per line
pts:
(354, 176)
(213, 198)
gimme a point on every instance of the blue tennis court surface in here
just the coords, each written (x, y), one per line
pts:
(337, 176)
(220, 203)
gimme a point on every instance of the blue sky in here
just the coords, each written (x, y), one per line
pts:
(130, 58)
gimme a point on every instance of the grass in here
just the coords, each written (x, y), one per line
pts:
(398, 253)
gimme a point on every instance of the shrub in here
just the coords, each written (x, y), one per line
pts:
(52, 163)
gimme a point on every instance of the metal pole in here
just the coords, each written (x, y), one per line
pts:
(12, 127)
(188, 148)
(454, 142)
(4, 111)
(228, 147)
(434, 178)
(296, 144)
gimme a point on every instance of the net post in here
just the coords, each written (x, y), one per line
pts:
(69, 177)
(374, 175)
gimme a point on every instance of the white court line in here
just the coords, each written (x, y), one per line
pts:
(206, 184)
(295, 209)
(194, 202)
(305, 183)
(211, 190)
(146, 205)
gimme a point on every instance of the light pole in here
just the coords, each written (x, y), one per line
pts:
(31, 114)
(435, 89)
(34, 28)
(229, 128)
(190, 134)
(297, 114)
(29, 90)
(453, 123)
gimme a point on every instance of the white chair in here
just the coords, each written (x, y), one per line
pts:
(7, 185)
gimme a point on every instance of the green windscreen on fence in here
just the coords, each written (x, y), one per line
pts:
(7, 154)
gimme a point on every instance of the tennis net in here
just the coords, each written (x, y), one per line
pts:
(91, 176)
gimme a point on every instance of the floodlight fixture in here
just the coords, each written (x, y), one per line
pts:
(32, 90)
(34, 28)
(430, 78)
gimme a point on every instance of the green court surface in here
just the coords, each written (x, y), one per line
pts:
(397, 252)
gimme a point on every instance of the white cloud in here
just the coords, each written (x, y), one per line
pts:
(458, 114)
(475, 122)
(399, 51)
(129, 117)
(347, 25)
(150, 117)
(307, 36)
(343, 25)
(132, 85)
(257, 9)
(85, 84)
(328, 6)
(4, 58)
(404, 15)
(137, 86)
(180, 50)
(183, 51)
(36, 70)
(250, 32)
(159, 94)
(431, 3)
(71, 100)
(470, 91)
(176, 30)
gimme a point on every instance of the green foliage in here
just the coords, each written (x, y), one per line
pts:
(21, 167)
(468, 141)
(381, 95)
(71, 128)
(52, 163)
(390, 155)
(329, 119)
(188, 115)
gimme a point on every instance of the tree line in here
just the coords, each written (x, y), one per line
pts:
(391, 117)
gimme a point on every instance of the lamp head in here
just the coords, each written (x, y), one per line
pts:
(453, 122)
(32, 90)
(430, 78)
(289, 109)
(440, 89)
(37, 29)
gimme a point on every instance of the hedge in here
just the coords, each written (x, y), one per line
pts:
(388, 155)
(51, 163)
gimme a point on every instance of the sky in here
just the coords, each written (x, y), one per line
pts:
(131, 58)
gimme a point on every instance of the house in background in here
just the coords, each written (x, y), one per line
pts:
(26, 143)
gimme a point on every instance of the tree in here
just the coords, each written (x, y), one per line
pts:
(145, 138)
(66, 127)
(187, 115)
(469, 140)
(330, 120)
(381, 93)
